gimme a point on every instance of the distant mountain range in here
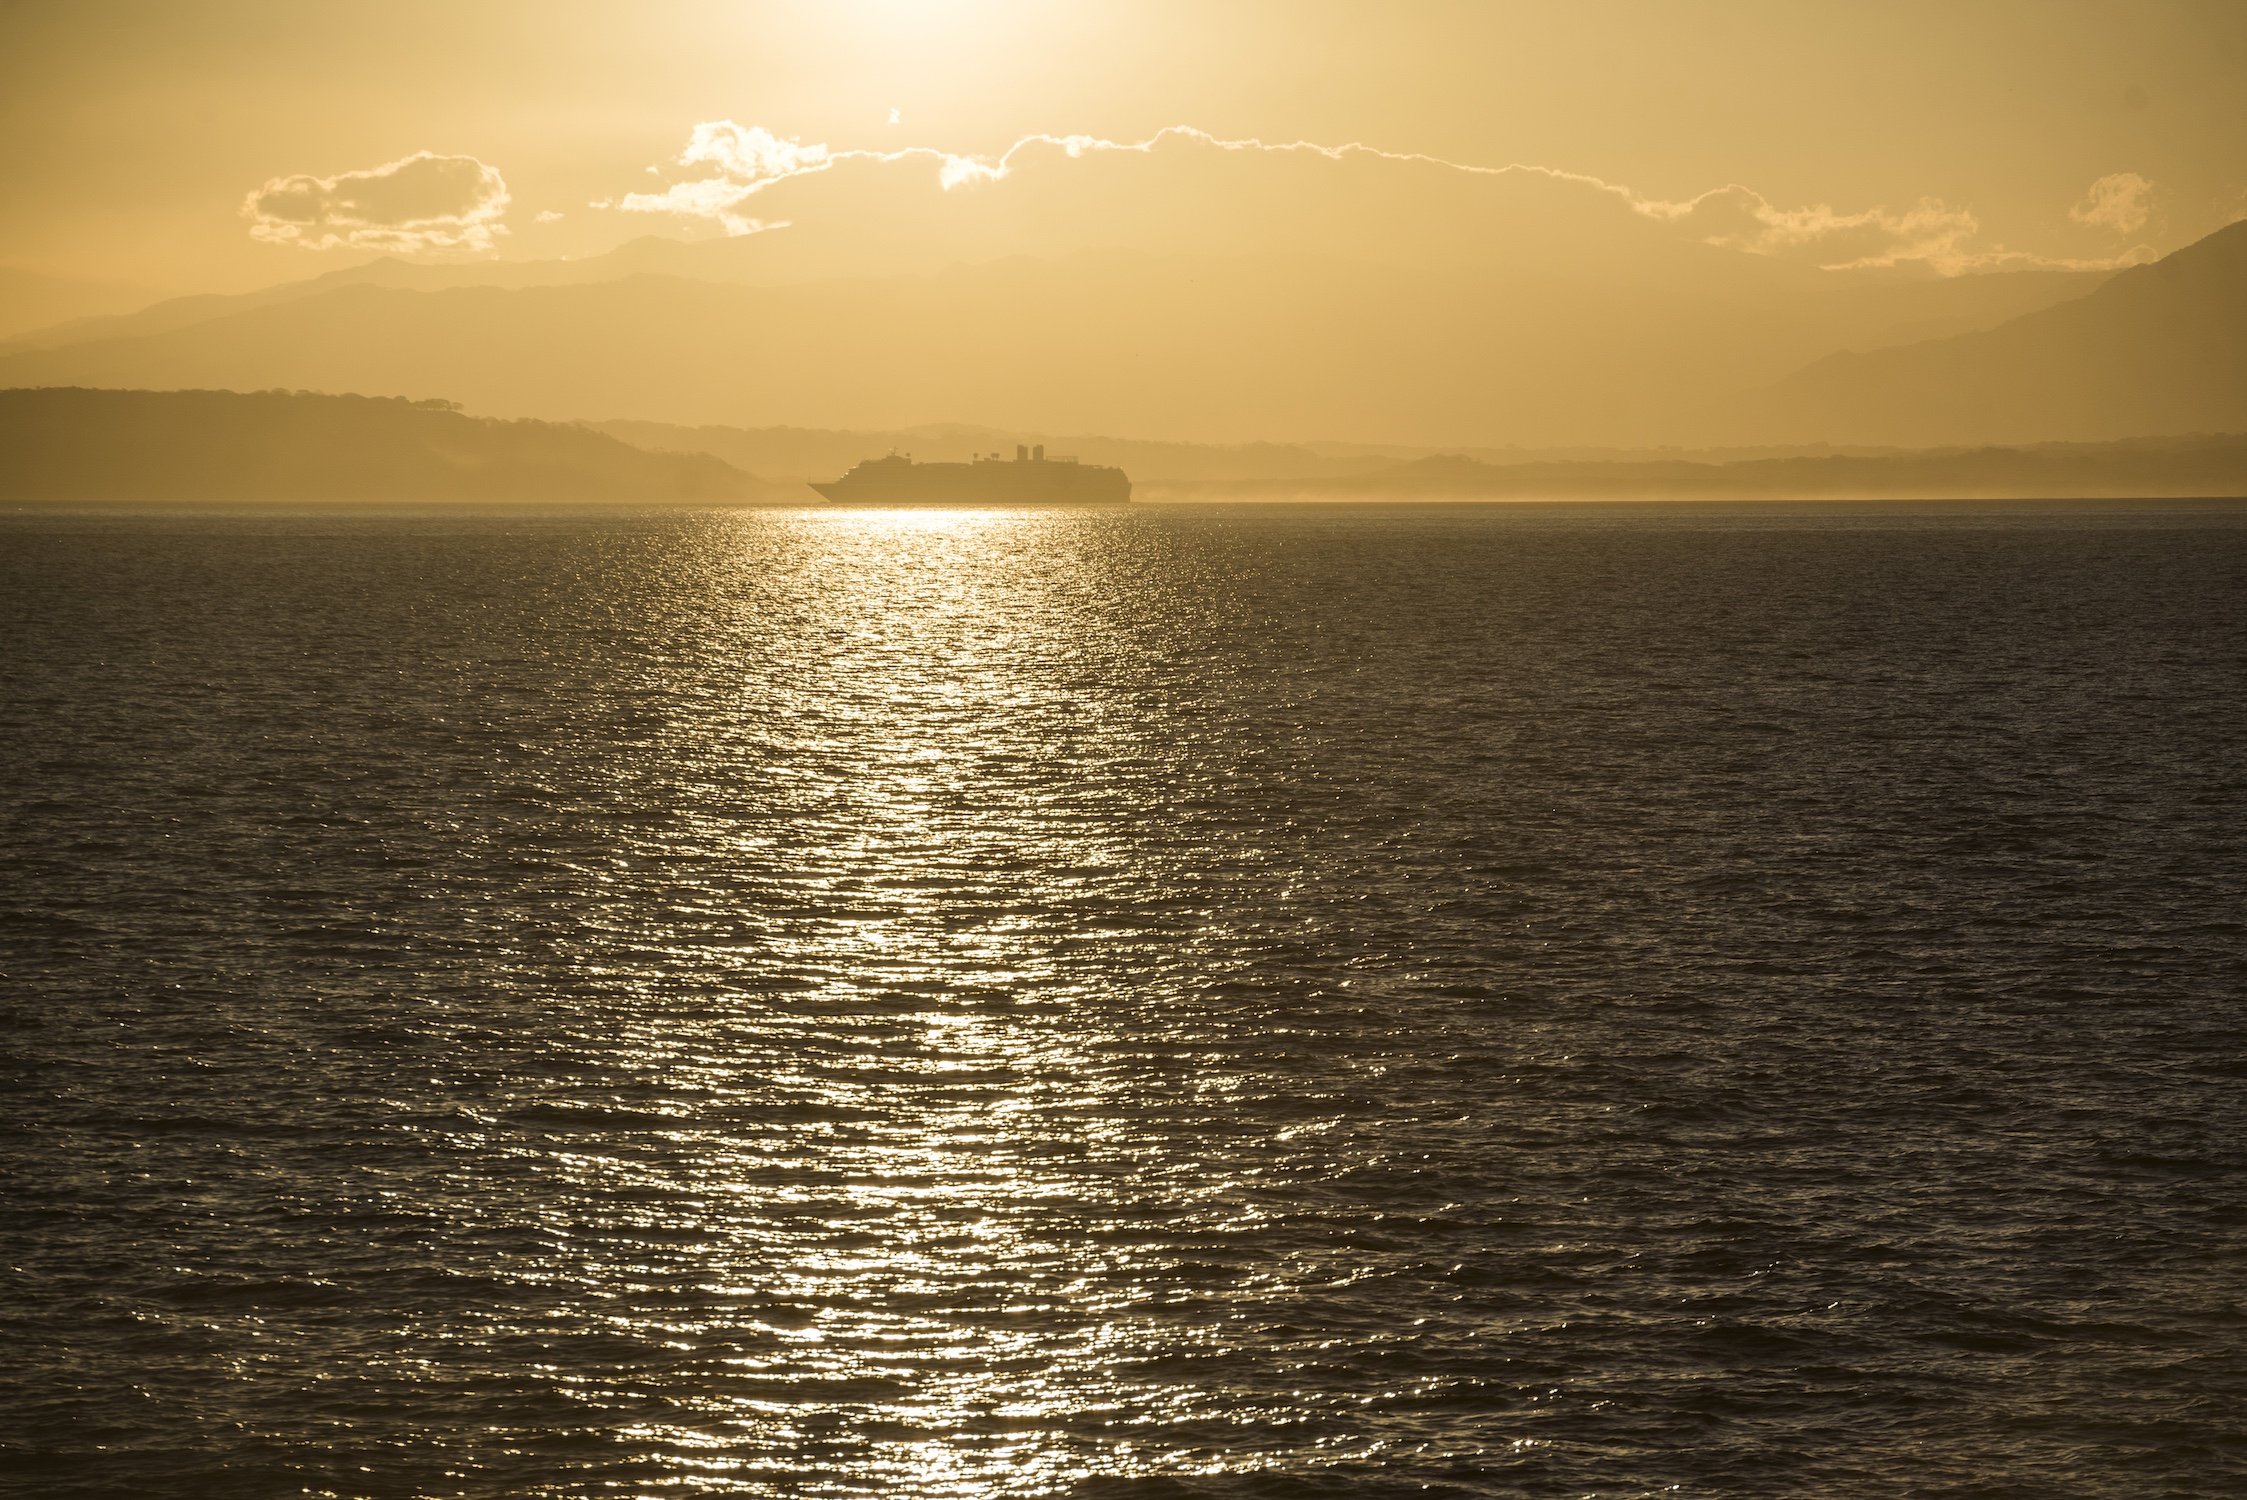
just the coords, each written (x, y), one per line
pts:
(1694, 351)
(1207, 349)
(1855, 310)
(62, 444)
(2160, 348)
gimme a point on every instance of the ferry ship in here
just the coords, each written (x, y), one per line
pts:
(989, 479)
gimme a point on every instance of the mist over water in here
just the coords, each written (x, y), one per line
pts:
(1479, 1001)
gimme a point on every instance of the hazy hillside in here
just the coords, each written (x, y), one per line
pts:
(2160, 348)
(822, 453)
(276, 445)
(1176, 348)
(1859, 309)
(2198, 466)
(204, 307)
(29, 299)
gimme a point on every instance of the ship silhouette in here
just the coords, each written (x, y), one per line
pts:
(1029, 479)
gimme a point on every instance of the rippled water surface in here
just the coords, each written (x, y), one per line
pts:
(1479, 1001)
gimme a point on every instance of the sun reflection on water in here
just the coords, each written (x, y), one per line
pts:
(931, 1198)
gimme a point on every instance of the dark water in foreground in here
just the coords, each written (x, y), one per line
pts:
(1595, 1001)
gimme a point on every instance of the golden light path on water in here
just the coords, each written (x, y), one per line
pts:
(946, 1238)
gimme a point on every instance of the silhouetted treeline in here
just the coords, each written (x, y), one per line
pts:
(2215, 465)
(73, 444)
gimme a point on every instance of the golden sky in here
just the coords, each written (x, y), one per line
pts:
(1956, 135)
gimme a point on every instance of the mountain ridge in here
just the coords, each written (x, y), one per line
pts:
(2157, 348)
(1208, 349)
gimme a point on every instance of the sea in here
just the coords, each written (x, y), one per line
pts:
(1596, 1000)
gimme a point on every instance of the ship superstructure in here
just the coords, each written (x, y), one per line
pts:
(1030, 478)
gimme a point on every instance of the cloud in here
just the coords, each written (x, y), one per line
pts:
(1930, 233)
(1739, 218)
(421, 203)
(2121, 202)
(749, 155)
(750, 160)
(746, 158)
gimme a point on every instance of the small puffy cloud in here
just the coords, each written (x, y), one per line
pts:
(738, 160)
(952, 171)
(424, 202)
(749, 155)
(545, 216)
(2121, 202)
(749, 159)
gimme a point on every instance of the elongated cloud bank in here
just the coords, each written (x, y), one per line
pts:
(418, 204)
(731, 164)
